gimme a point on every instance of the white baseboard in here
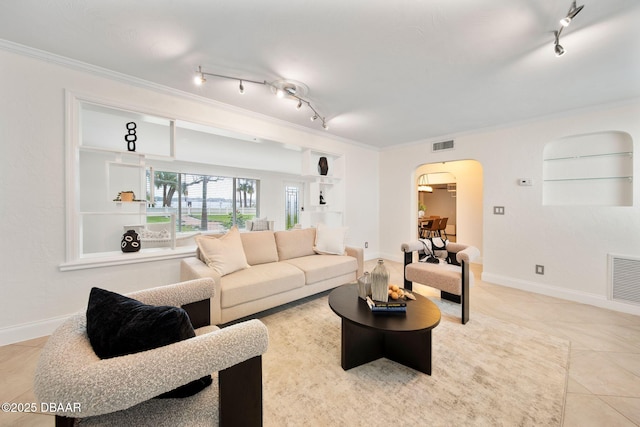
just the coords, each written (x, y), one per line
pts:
(566, 294)
(28, 331)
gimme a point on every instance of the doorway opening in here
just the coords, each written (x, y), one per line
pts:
(456, 194)
(437, 205)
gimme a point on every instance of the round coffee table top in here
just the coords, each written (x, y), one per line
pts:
(421, 314)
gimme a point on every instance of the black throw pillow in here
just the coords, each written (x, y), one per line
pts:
(119, 325)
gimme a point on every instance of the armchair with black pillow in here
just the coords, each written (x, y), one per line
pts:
(138, 360)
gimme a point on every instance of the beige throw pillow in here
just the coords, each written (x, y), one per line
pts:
(295, 243)
(259, 247)
(223, 254)
(330, 240)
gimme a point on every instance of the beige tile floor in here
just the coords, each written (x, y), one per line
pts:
(604, 372)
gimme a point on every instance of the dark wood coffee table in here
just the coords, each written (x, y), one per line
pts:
(366, 336)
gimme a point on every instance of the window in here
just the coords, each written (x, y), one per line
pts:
(204, 202)
(125, 173)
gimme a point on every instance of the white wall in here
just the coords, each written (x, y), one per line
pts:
(35, 295)
(571, 242)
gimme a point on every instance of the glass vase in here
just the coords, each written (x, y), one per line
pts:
(364, 285)
(380, 282)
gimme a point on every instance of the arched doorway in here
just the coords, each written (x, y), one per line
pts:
(465, 208)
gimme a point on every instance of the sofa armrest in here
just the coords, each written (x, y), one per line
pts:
(192, 268)
(358, 254)
(69, 371)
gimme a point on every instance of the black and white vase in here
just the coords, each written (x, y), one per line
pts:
(130, 241)
(323, 166)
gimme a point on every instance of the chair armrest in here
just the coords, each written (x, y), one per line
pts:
(468, 254)
(416, 245)
(178, 294)
(358, 254)
(69, 371)
(193, 268)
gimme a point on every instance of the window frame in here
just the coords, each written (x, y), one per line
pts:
(74, 258)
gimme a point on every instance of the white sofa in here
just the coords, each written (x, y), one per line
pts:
(281, 267)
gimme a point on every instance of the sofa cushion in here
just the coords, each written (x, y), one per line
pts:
(295, 243)
(259, 247)
(259, 281)
(119, 325)
(223, 254)
(323, 267)
(330, 240)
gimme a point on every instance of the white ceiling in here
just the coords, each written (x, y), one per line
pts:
(383, 72)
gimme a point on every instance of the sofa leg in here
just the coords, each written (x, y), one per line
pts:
(240, 394)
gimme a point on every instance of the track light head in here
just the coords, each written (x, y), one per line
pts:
(573, 11)
(325, 126)
(199, 79)
(314, 117)
(299, 106)
(241, 88)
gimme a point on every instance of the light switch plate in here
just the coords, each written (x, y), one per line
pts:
(498, 210)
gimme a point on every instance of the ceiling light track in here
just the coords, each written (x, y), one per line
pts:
(280, 88)
(564, 22)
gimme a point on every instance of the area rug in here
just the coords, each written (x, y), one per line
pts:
(485, 373)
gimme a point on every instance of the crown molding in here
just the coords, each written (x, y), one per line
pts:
(146, 84)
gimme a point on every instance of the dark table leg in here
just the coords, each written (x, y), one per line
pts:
(360, 345)
(412, 349)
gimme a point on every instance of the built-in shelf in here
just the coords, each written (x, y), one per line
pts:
(630, 178)
(592, 169)
(330, 186)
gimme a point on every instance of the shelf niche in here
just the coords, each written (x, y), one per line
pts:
(589, 170)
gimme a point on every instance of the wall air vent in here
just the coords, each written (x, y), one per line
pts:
(444, 145)
(624, 279)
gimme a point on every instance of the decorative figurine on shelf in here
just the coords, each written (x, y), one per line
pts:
(323, 166)
(322, 201)
(131, 136)
(130, 241)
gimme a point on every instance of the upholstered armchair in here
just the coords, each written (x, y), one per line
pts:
(450, 274)
(121, 390)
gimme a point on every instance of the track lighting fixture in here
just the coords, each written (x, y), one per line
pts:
(282, 89)
(564, 22)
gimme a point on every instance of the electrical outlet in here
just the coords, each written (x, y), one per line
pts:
(366, 245)
(539, 269)
(498, 210)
